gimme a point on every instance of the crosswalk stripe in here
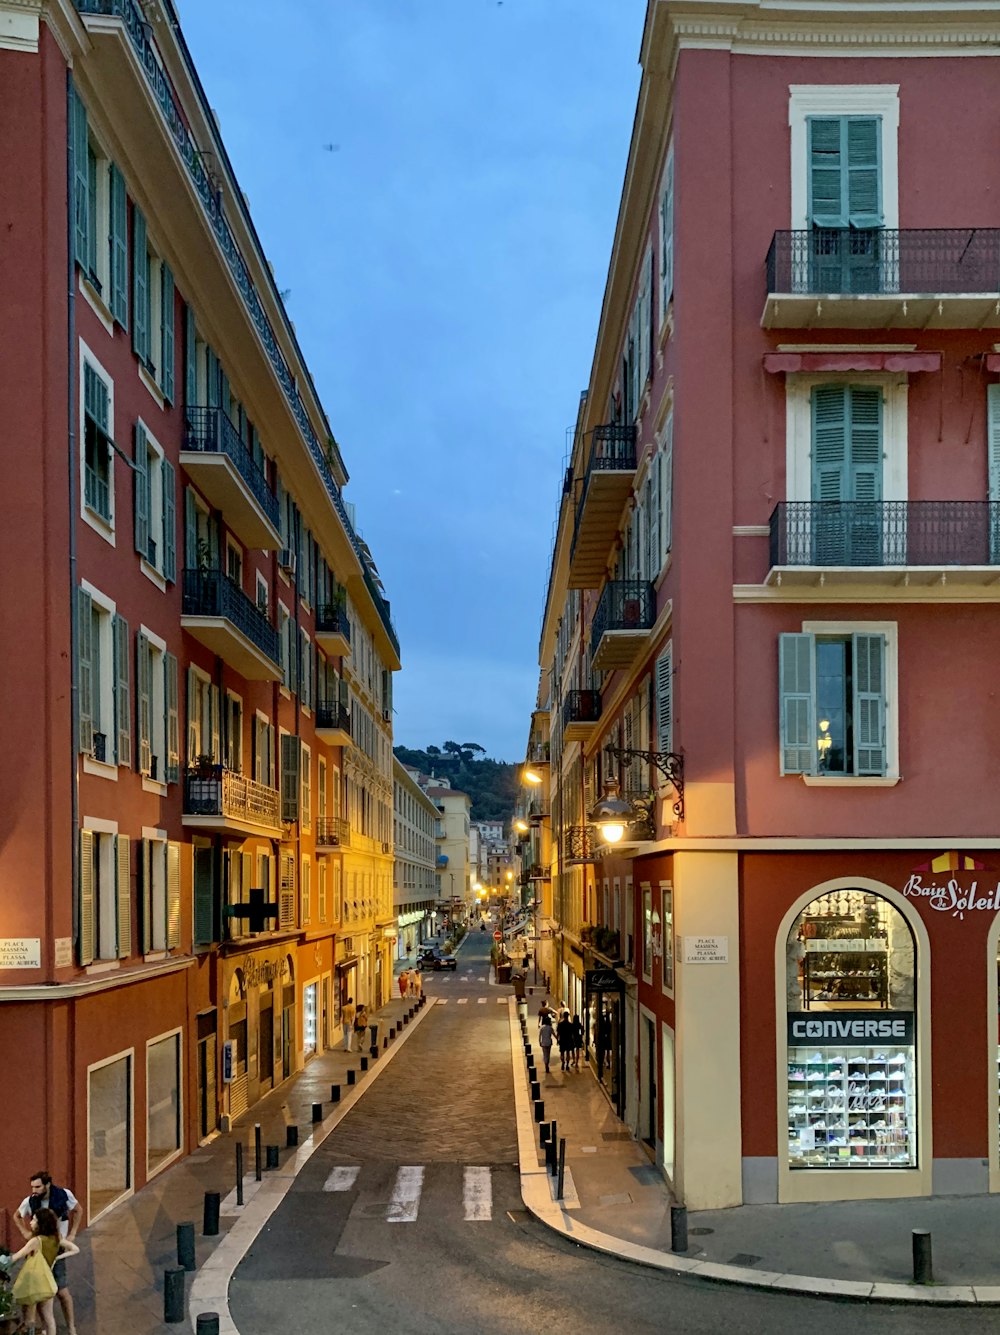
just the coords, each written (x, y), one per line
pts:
(462, 1001)
(482, 1001)
(477, 1193)
(405, 1200)
(342, 1179)
(501, 1001)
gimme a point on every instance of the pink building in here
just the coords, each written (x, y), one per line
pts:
(771, 615)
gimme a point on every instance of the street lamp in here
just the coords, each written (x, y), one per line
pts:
(611, 815)
(531, 776)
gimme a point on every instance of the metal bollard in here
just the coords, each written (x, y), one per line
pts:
(678, 1228)
(392, 1031)
(291, 1137)
(272, 1157)
(207, 1323)
(352, 1076)
(173, 1296)
(317, 1112)
(210, 1221)
(527, 1049)
(335, 1093)
(539, 1110)
(256, 1149)
(185, 1246)
(239, 1172)
(561, 1176)
(385, 1044)
(364, 1063)
(543, 1133)
(923, 1269)
(536, 1089)
(552, 1147)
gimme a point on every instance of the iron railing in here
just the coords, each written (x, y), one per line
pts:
(885, 533)
(333, 832)
(210, 431)
(854, 261)
(580, 844)
(625, 604)
(211, 790)
(581, 707)
(612, 450)
(211, 593)
(210, 193)
(332, 714)
(331, 619)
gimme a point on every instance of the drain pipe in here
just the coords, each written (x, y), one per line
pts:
(74, 691)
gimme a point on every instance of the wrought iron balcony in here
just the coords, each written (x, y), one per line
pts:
(225, 471)
(220, 799)
(610, 469)
(217, 612)
(333, 629)
(333, 832)
(581, 710)
(333, 723)
(925, 538)
(626, 611)
(829, 277)
(536, 872)
(580, 844)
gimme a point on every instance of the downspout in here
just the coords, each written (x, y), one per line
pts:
(71, 384)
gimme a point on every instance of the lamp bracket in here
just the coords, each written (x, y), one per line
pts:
(669, 763)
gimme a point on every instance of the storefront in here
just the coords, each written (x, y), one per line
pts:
(604, 1031)
(260, 1025)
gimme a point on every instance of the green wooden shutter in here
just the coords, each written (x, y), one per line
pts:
(124, 895)
(269, 762)
(665, 700)
(667, 236)
(170, 690)
(826, 172)
(119, 248)
(143, 701)
(190, 530)
(796, 705)
(193, 740)
(173, 896)
(212, 370)
(144, 892)
(215, 718)
(123, 706)
(864, 193)
(166, 332)
(225, 393)
(829, 442)
(869, 704)
(81, 180)
(85, 670)
(865, 443)
(291, 762)
(168, 483)
(140, 286)
(190, 359)
(142, 484)
(85, 916)
(204, 896)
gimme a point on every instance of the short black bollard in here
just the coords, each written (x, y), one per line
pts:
(385, 1044)
(923, 1270)
(536, 1089)
(552, 1147)
(207, 1323)
(364, 1063)
(527, 1049)
(317, 1112)
(291, 1137)
(210, 1221)
(185, 1246)
(543, 1133)
(352, 1076)
(335, 1093)
(173, 1296)
(272, 1157)
(373, 1036)
(256, 1149)
(239, 1172)
(678, 1228)
(561, 1175)
(539, 1110)
(392, 1031)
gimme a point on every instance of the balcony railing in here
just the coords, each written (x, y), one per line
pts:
(331, 619)
(211, 593)
(333, 832)
(851, 261)
(581, 707)
(210, 431)
(331, 714)
(625, 605)
(612, 450)
(885, 533)
(214, 791)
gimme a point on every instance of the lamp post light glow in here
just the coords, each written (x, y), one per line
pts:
(531, 776)
(611, 815)
(522, 826)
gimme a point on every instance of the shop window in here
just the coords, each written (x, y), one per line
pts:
(647, 933)
(667, 893)
(163, 1101)
(109, 1097)
(851, 1035)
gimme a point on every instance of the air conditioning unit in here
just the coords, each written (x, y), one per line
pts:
(286, 560)
(386, 847)
(387, 715)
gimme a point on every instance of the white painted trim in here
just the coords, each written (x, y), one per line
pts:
(100, 769)
(90, 294)
(18, 29)
(868, 594)
(153, 786)
(154, 389)
(807, 100)
(130, 1190)
(848, 781)
(86, 987)
(178, 1152)
(890, 630)
(99, 825)
(820, 1184)
(798, 429)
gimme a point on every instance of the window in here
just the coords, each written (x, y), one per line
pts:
(207, 890)
(305, 801)
(306, 892)
(100, 223)
(321, 879)
(159, 893)
(98, 447)
(321, 786)
(291, 759)
(102, 697)
(263, 751)
(233, 754)
(105, 894)
(157, 717)
(647, 932)
(163, 1101)
(667, 915)
(153, 308)
(109, 1119)
(201, 534)
(263, 596)
(286, 633)
(838, 701)
(203, 716)
(667, 235)
(155, 506)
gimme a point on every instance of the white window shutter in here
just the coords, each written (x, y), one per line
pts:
(652, 507)
(144, 892)
(215, 712)
(667, 490)
(124, 888)
(173, 721)
(869, 704)
(194, 742)
(86, 915)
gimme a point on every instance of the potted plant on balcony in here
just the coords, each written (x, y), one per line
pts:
(204, 767)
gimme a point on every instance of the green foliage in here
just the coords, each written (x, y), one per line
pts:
(491, 784)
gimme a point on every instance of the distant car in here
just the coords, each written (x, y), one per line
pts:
(443, 962)
(426, 956)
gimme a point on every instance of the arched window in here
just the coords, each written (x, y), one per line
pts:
(850, 980)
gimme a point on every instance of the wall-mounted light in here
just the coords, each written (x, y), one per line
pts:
(611, 815)
(530, 776)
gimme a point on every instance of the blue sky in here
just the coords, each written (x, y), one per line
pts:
(436, 183)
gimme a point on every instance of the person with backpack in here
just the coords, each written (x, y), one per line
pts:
(361, 1027)
(45, 1195)
(545, 1037)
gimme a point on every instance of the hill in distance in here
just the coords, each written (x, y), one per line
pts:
(491, 784)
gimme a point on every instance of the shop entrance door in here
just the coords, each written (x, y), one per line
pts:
(288, 1032)
(265, 1042)
(649, 1086)
(605, 1035)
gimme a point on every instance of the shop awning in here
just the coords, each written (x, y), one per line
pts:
(910, 362)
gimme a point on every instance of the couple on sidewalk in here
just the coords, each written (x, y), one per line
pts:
(567, 1032)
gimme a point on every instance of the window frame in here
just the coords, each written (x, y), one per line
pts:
(178, 1035)
(821, 100)
(93, 518)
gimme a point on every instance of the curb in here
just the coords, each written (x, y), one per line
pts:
(536, 1193)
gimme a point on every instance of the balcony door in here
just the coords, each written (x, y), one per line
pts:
(845, 204)
(847, 475)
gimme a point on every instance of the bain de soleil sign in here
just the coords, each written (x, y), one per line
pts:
(947, 893)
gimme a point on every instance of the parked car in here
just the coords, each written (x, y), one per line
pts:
(444, 962)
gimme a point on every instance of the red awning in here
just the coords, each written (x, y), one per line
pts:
(776, 362)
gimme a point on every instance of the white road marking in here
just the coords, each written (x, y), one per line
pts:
(477, 1194)
(405, 1199)
(482, 1001)
(342, 1179)
(442, 1001)
(501, 1001)
(462, 1001)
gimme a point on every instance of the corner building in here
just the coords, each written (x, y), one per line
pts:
(771, 614)
(197, 860)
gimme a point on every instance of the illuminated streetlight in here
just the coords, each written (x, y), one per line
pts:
(611, 815)
(531, 776)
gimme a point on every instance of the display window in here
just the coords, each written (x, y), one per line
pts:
(851, 1035)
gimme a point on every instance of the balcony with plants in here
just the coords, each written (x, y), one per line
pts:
(226, 802)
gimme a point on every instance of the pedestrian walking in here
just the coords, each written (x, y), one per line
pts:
(45, 1195)
(404, 983)
(545, 1037)
(36, 1286)
(361, 1026)
(347, 1014)
(417, 984)
(577, 1043)
(545, 1012)
(564, 1037)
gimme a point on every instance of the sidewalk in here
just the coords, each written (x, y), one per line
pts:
(616, 1201)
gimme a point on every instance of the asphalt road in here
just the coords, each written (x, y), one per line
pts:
(375, 1234)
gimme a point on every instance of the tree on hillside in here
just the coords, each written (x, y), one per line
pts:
(491, 784)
